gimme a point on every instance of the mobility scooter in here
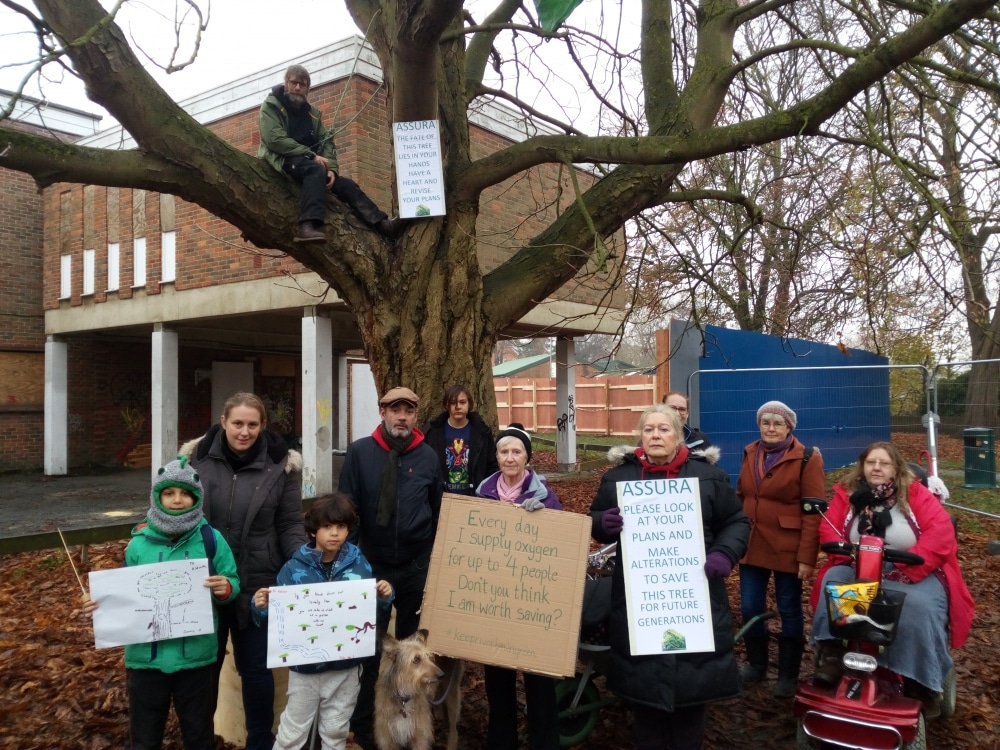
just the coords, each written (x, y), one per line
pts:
(866, 709)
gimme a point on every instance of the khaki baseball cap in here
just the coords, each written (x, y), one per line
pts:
(399, 394)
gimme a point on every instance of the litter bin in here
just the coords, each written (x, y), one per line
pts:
(980, 458)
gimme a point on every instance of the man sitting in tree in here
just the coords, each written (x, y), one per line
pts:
(294, 141)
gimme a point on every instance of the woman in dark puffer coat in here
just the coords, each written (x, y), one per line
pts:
(253, 496)
(669, 693)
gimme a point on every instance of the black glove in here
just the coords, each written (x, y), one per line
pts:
(862, 498)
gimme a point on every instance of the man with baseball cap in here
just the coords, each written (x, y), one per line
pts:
(395, 480)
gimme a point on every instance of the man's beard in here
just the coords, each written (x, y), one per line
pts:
(400, 432)
(296, 100)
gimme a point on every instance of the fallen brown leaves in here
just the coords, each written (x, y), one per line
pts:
(59, 693)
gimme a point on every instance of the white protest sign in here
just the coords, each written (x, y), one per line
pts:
(317, 622)
(419, 181)
(155, 602)
(663, 551)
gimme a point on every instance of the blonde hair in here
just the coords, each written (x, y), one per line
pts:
(672, 417)
(245, 399)
(904, 476)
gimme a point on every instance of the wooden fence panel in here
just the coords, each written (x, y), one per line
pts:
(604, 406)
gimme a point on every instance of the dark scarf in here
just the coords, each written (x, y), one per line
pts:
(671, 468)
(768, 455)
(874, 508)
(387, 488)
(235, 460)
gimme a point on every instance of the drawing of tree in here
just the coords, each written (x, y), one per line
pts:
(312, 638)
(161, 587)
(284, 657)
(303, 625)
(340, 646)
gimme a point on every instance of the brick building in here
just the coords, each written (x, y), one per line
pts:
(156, 311)
(22, 324)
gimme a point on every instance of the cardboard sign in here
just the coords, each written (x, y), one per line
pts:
(505, 586)
(419, 181)
(663, 551)
(318, 622)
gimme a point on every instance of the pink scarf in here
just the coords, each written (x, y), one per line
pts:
(506, 493)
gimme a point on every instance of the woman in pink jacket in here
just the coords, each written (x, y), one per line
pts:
(882, 497)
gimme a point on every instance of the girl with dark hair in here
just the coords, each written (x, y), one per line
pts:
(462, 441)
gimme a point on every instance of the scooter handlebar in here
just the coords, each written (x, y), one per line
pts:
(902, 556)
(838, 548)
(888, 554)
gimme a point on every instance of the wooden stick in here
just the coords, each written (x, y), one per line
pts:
(70, 558)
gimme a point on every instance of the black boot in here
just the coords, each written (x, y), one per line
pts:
(789, 661)
(756, 667)
(829, 662)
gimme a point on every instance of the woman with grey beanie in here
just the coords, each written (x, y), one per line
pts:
(777, 472)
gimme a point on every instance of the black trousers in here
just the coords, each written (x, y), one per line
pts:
(149, 695)
(543, 711)
(407, 581)
(683, 729)
(312, 206)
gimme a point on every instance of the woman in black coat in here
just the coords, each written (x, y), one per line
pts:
(253, 496)
(463, 442)
(669, 692)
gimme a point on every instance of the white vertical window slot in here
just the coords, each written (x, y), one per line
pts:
(114, 249)
(139, 262)
(168, 256)
(65, 276)
(89, 259)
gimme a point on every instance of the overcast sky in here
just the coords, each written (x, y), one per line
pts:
(243, 36)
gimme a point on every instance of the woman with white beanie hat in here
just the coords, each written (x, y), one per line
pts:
(777, 472)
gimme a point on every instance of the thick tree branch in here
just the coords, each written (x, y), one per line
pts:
(50, 161)
(483, 36)
(559, 252)
(803, 118)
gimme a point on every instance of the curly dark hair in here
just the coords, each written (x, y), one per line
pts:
(337, 507)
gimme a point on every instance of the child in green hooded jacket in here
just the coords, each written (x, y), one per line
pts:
(181, 669)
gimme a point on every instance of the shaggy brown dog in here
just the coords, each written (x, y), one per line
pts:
(407, 681)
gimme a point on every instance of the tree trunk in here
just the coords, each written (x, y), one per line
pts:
(423, 325)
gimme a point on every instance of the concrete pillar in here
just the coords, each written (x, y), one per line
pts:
(343, 399)
(56, 407)
(163, 397)
(566, 404)
(317, 403)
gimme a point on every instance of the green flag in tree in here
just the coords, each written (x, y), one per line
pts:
(551, 13)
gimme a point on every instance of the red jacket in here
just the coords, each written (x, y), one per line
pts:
(936, 543)
(781, 537)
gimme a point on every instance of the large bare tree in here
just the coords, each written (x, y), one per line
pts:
(428, 314)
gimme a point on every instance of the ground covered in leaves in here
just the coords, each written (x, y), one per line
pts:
(60, 693)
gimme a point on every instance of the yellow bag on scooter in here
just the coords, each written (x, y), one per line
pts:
(847, 599)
